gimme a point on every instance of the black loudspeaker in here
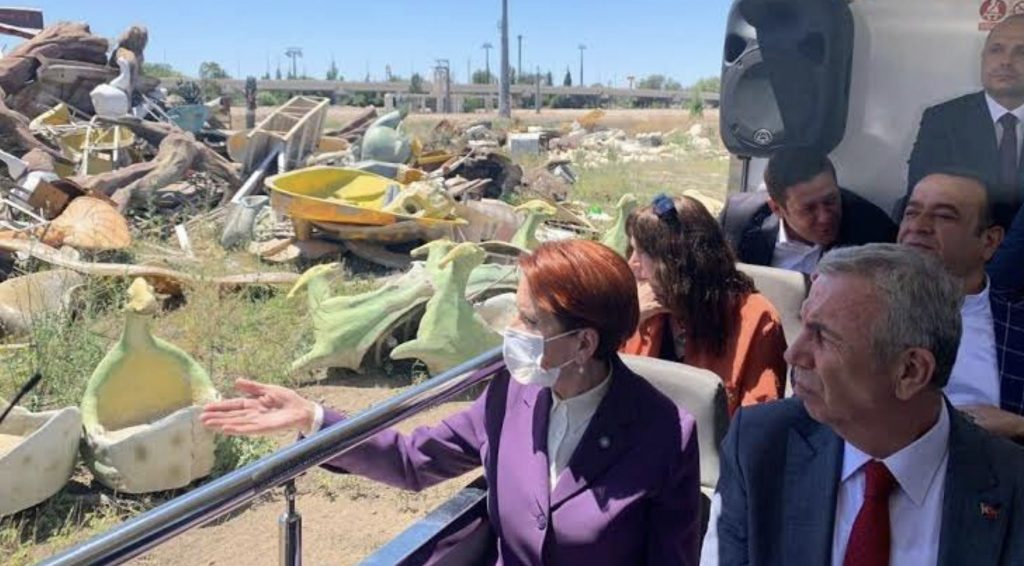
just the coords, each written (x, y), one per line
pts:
(785, 75)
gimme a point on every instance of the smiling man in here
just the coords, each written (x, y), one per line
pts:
(982, 130)
(803, 214)
(949, 216)
(869, 465)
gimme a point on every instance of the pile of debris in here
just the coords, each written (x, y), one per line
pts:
(93, 152)
(590, 149)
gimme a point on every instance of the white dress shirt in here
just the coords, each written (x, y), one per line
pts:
(915, 509)
(794, 255)
(975, 377)
(997, 111)
(567, 422)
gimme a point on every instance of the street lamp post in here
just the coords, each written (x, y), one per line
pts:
(504, 89)
(581, 48)
(487, 59)
(519, 66)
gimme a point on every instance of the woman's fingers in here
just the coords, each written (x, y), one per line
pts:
(251, 388)
(233, 422)
(224, 405)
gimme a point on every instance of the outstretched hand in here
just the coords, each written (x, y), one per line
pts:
(264, 409)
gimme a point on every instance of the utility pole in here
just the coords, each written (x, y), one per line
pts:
(519, 67)
(581, 48)
(487, 59)
(294, 53)
(536, 95)
(504, 90)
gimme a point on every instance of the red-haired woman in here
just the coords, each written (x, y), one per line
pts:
(586, 462)
(697, 308)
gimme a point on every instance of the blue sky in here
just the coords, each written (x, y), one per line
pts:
(681, 39)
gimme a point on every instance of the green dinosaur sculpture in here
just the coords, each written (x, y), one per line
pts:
(616, 237)
(141, 408)
(345, 329)
(450, 332)
(537, 211)
(386, 140)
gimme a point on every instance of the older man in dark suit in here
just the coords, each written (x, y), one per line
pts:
(803, 213)
(869, 465)
(982, 130)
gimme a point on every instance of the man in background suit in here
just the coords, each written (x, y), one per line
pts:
(982, 130)
(869, 465)
(949, 216)
(803, 214)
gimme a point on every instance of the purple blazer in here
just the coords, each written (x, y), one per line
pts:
(630, 494)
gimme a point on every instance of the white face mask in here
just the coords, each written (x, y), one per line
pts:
(523, 353)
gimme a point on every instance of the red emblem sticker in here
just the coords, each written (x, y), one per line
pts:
(992, 12)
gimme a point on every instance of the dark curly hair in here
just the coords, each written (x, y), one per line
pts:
(695, 269)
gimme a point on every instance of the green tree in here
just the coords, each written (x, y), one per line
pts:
(567, 81)
(481, 77)
(278, 74)
(529, 78)
(708, 84)
(549, 79)
(696, 105)
(211, 70)
(416, 84)
(332, 72)
(160, 71)
(652, 82)
(672, 84)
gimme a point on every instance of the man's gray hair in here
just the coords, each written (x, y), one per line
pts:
(922, 301)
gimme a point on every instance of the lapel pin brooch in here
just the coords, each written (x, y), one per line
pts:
(990, 512)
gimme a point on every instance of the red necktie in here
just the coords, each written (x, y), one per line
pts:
(870, 538)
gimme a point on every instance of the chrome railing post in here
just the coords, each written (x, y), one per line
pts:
(290, 524)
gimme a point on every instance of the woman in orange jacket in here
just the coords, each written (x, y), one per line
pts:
(697, 308)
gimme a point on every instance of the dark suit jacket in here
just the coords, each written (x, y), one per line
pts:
(752, 229)
(1006, 268)
(630, 494)
(780, 477)
(960, 133)
(1008, 322)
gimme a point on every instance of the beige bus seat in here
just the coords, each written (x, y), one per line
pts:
(785, 289)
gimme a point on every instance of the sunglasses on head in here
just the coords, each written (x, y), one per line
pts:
(665, 209)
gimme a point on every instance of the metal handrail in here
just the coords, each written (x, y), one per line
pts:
(224, 494)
